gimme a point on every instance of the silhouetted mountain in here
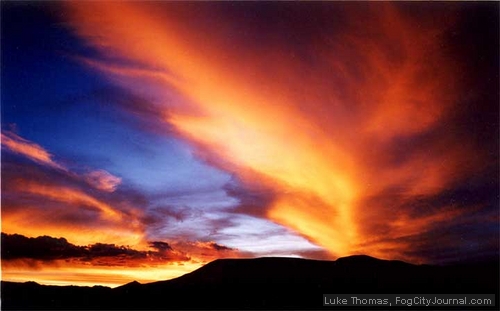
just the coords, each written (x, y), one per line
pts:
(128, 286)
(262, 283)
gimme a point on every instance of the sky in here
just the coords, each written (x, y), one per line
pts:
(141, 140)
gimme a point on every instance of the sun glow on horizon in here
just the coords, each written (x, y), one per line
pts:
(62, 274)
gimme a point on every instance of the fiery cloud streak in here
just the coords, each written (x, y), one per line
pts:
(15, 143)
(318, 122)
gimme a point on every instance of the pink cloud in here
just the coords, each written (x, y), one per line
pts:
(103, 180)
(16, 144)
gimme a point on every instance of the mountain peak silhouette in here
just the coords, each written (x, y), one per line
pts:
(133, 284)
(262, 283)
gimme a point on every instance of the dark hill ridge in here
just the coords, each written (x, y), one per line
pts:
(262, 283)
(280, 270)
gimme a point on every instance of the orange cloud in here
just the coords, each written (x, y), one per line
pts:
(99, 179)
(16, 144)
(50, 200)
(31, 221)
(36, 201)
(72, 197)
(318, 121)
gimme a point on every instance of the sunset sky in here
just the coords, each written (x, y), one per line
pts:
(141, 140)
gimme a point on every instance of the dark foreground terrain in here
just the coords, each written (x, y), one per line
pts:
(264, 283)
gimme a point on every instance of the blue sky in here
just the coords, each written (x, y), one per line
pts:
(50, 98)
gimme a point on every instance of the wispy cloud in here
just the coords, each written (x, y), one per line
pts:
(41, 197)
(99, 179)
(18, 145)
(103, 180)
(355, 107)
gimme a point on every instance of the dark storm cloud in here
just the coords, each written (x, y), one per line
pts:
(112, 250)
(15, 246)
(222, 248)
(160, 246)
